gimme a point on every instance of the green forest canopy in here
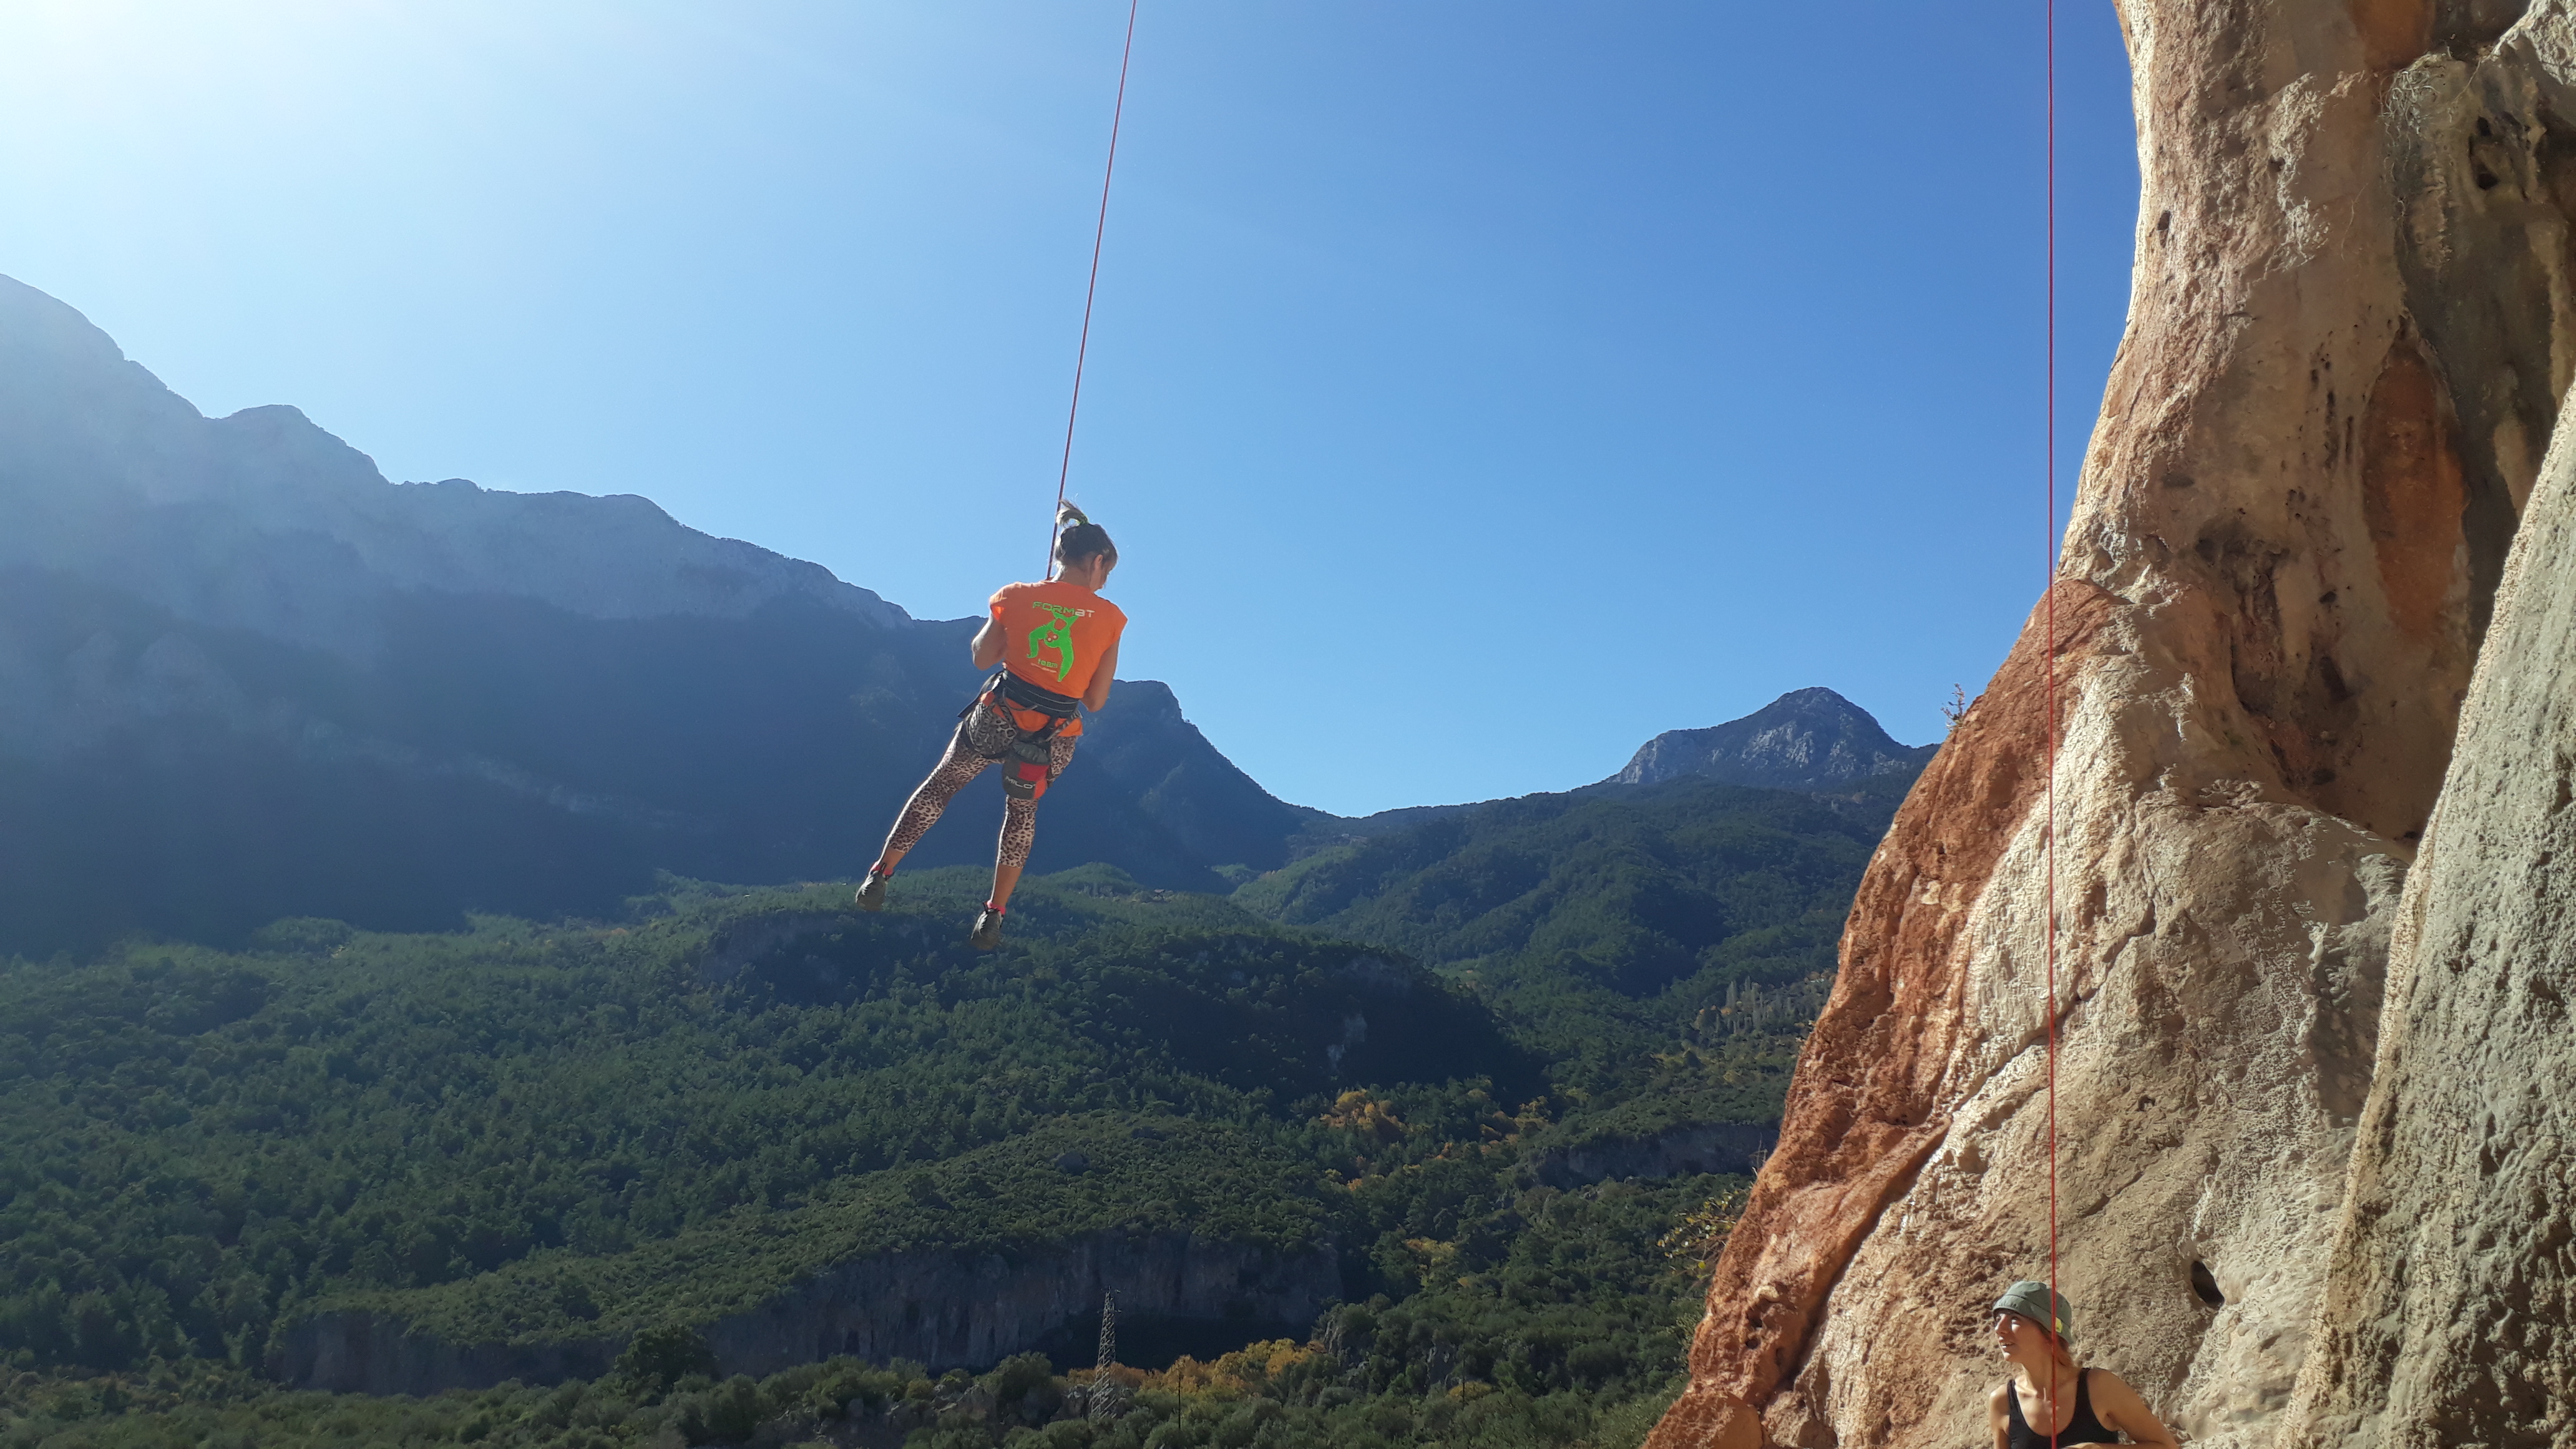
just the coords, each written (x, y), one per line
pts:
(675, 1115)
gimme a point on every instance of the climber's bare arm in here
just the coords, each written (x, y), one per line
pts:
(2119, 1407)
(1996, 1416)
(1101, 678)
(990, 641)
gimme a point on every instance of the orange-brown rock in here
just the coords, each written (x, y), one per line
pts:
(2350, 327)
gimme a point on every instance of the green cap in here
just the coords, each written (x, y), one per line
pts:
(2030, 1298)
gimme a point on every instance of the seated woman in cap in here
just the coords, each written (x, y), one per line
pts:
(2048, 1399)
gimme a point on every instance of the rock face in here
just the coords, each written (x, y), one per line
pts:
(364, 1353)
(2450, 1306)
(1807, 739)
(943, 1310)
(2350, 328)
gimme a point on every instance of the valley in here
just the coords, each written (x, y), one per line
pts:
(1437, 1105)
(385, 1063)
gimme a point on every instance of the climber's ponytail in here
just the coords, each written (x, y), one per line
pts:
(1078, 538)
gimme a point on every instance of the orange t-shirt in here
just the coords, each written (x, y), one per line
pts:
(1055, 633)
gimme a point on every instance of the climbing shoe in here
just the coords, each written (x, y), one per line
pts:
(988, 928)
(871, 896)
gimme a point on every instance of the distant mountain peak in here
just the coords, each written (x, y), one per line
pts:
(1807, 739)
(265, 520)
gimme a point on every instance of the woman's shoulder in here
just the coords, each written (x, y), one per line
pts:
(2102, 1381)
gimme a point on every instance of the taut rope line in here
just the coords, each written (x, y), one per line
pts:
(2048, 667)
(1099, 231)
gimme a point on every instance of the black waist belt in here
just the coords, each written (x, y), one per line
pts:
(1020, 694)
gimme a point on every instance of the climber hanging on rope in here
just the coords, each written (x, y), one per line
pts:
(1057, 647)
(1056, 643)
(2076, 1405)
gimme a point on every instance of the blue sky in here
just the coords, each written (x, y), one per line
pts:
(1476, 389)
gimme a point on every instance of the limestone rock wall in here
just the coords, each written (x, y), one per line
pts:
(2449, 1314)
(2350, 326)
(945, 1310)
(349, 1351)
(953, 1311)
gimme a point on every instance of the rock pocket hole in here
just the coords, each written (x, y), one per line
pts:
(2205, 1287)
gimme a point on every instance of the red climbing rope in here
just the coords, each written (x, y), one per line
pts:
(1099, 231)
(2048, 668)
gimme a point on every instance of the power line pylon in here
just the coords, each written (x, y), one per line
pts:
(1104, 1389)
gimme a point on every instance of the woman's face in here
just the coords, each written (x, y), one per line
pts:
(2015, 1334)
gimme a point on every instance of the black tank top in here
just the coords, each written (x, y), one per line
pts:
(2082, 1429)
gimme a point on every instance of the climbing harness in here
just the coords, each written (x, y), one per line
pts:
(1026, 760)
(1099, 231)
(1020, 694)
(2048, 677)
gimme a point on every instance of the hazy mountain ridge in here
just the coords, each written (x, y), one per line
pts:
(262, 520)
(1809, 740)
(242, 676)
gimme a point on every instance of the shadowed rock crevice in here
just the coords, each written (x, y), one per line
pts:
(2449, 1310)
(2479, 170)
(2461, 28)
(2412, 498)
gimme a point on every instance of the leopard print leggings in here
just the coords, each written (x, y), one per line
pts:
(984, 729)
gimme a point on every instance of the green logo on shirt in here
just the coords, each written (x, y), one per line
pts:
(1057, 636)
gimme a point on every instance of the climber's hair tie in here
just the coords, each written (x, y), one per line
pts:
(1080, 540)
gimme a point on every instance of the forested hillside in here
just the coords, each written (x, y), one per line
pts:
(573, 1134)
(1610, 926)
